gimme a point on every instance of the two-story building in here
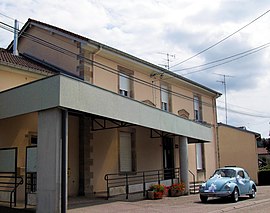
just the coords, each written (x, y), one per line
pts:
(102, 112)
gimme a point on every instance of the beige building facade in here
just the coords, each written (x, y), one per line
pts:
(100, 111)
(238, 147)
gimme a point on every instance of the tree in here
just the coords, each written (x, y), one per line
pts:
(266, 144)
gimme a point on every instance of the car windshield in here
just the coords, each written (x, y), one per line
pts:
(225, 173)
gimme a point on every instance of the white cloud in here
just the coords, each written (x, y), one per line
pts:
(146, 28)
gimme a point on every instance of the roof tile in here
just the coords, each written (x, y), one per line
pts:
(8, 58)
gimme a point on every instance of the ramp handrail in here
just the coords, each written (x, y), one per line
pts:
(127, 179)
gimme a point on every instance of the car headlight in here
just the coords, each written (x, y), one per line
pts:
(227, 187)
(203, 185)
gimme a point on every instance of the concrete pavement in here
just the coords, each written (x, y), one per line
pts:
(187, 204)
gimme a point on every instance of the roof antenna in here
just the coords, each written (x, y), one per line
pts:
(15, 41)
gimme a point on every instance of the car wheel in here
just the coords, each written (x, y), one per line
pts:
(203, 198)
(253, 192)
(235, 195)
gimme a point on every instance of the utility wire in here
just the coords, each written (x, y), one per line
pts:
(221, 39)
(241, 55)
(226, 62)
(13, 19)
(244, 113)
(107, 68)
(222, 59)
(99, 65)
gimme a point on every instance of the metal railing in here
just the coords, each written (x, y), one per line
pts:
(141, 179)
(193, 176)
(30, 185)
(9, 183)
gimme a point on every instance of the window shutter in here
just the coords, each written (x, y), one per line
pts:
(124, 82)
(199, 156)
(196, 103)
(125, 152)
(164, 94)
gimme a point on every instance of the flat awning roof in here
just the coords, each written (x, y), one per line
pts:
(70, 93)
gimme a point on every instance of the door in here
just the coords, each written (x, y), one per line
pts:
(243, 182)
(168, 158)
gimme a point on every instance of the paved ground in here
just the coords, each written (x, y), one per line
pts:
(186, 204)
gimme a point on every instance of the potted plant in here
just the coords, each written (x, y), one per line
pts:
(156, 191)
(177, 189)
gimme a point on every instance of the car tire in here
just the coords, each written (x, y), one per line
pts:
(235, 195)
(253, 192)
(203, 198)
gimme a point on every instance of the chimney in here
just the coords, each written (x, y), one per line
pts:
(15, 41)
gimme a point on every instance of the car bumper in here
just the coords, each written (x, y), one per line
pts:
(216, 194)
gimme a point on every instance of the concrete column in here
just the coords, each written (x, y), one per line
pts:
(85, 150)
(183, 149)
(49, 161)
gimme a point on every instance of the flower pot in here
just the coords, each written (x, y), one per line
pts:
(175, 193)
(152, 195)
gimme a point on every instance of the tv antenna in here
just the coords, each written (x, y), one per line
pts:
(168, 60)
(225, 92)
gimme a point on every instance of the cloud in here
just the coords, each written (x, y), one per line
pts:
(146, 28)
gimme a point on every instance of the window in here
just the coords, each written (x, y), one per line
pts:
(197, 108)
(32, 138)
(199, 156)
(127, 152)
(241, 174)
(164, 98)
(124, 85)
(125, 82)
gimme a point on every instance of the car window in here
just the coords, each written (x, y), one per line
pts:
(246, 174)
(225, 172)
(241, 174)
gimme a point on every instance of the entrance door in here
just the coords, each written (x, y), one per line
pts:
(168, 158)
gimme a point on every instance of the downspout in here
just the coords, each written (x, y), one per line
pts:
(15, 41)
(216, 131)
(93, 61)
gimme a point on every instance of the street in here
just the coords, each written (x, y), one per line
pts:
(187, 204)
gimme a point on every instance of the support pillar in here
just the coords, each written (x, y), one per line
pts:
(86, 162)
(51, 160)
(183, 149)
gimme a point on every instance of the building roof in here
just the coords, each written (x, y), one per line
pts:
(22, 62)
(243, 129)
(111, 49)
(262, 151)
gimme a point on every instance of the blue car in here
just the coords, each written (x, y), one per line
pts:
(230, 182)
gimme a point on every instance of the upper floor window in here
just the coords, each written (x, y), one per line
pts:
(125, 82)
(164, 98)
(124, 85)
(197, 108)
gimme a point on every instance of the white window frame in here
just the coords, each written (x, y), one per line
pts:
(197, 108)
(124, 85)
(164, 98)
(126, 152)
(199, 156)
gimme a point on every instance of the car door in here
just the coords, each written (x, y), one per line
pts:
(243, 181)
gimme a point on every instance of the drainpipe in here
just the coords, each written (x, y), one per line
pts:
(216, 131)
(93, 61)
(15, 41)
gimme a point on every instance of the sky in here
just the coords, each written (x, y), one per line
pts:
(235, 33)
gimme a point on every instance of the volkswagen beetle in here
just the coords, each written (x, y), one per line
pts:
(229, 182)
